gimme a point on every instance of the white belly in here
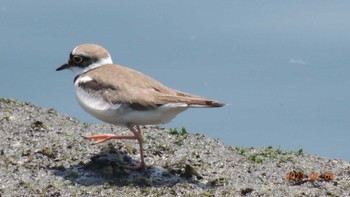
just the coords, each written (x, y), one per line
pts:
(120, 115)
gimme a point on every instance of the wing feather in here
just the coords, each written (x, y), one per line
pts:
(141, 92)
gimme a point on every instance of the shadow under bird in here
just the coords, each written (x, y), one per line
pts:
(122, 96)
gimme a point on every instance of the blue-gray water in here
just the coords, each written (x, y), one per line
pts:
(283, 66)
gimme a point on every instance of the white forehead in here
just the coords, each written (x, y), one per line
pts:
(74, 50)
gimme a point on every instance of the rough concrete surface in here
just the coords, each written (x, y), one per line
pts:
(43, 153)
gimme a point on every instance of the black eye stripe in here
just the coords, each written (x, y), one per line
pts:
(81, 60)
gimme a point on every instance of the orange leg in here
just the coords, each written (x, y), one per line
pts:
(137, 136)
(105, 137)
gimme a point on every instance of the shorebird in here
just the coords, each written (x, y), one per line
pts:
(122, 96)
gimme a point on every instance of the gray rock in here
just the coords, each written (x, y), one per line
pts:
(43, 153)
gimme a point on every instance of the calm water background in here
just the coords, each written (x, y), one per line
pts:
(283, 66)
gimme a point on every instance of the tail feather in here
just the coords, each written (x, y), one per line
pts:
(192, 100)
(205, 103)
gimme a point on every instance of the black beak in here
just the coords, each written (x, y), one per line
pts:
(64, 66)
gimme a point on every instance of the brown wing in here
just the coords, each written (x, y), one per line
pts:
(142, 92)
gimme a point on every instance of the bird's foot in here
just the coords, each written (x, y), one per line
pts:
(105, 137)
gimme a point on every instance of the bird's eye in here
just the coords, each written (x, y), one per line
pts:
(77, 59)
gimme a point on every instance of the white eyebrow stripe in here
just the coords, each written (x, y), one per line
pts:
(73, 51)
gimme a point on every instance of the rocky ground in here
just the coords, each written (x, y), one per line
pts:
(43, 153)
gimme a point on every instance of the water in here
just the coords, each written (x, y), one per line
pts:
(283, 67)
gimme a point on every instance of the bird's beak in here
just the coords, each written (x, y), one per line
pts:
(64, 66)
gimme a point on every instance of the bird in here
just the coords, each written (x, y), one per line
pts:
(122, 96)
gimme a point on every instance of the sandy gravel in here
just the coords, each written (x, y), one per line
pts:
(43, 153)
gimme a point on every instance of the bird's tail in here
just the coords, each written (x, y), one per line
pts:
(205, 103)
